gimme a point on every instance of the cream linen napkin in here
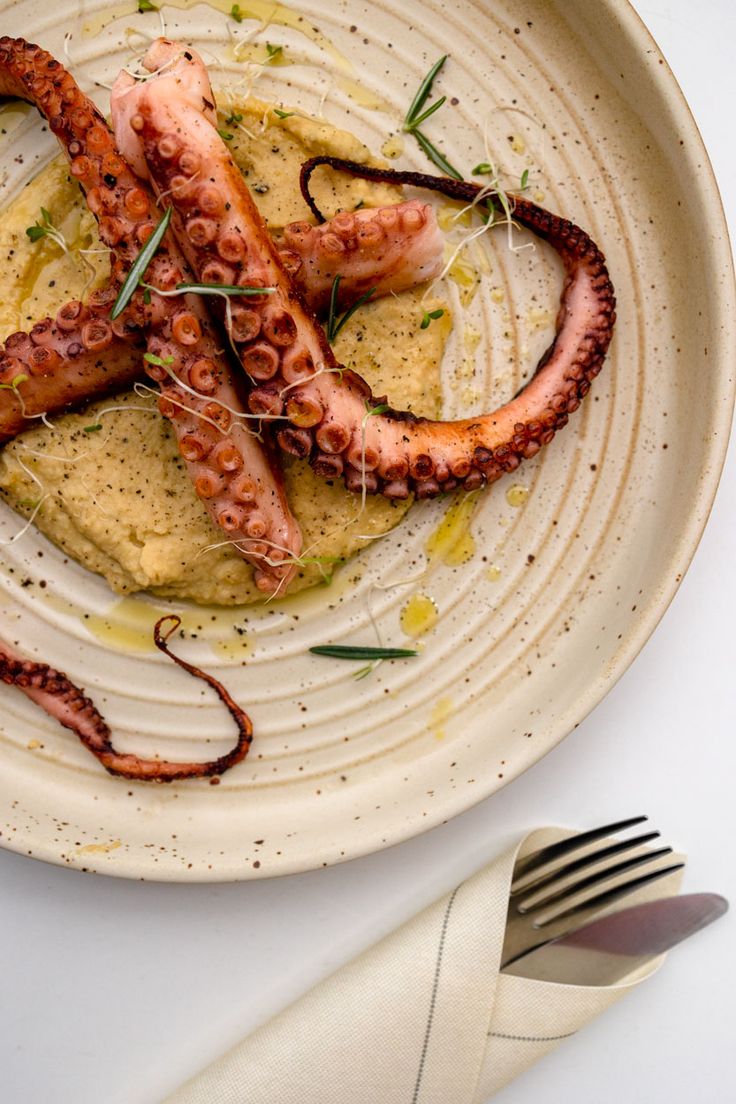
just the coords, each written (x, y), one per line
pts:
(423, 1017)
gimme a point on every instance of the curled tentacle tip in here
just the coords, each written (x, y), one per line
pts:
(160, 636)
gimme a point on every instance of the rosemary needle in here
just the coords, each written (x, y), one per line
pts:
(139, 266)
(345, 651)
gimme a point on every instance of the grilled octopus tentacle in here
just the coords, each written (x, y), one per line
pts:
(330, 410)
(63, 362)
(63, 700)
(242, 491)
(77, 356)
(386, 249)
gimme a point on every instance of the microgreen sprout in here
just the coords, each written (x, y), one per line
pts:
(139, 266)
(482, 169)
(46, 229)
(274, 52)
(225, 135)
(430, 316)
(14, 383)
(92, 428)
(146, 6)
(415, 116)
(524, 182)
(283, 114)
(236, 14)
(160, 362)
(334, 323)
(233, 117)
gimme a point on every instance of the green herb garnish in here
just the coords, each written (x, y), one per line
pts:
(283, 114)
(273, 51)
(14, 383)
(234, 117)
(236, 14)
(92, 428)
(335, 324)
(415, 116)
(139, 266)
(146, 6)
(46, 229)
(524, 182)
(223, 289)
(430, 316)
(483, 169)
(160, 362)
(225, 135)
(345, 651)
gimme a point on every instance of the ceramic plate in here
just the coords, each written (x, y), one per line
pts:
(576, 556)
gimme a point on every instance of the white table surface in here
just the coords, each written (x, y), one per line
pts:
(116, 991)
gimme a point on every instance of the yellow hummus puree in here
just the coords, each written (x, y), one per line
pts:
(119, 499)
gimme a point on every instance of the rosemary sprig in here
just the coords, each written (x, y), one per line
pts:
(139, 266)
(415, 116)
(346, 651)
(424, 91)
(224, 289)
(335, 324)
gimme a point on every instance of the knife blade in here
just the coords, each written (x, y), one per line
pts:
(608, 950)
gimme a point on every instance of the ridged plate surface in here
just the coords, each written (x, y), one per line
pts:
(562, 591)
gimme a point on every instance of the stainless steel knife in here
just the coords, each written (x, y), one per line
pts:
(607, 950)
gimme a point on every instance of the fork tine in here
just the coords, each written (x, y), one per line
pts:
(562, 872)
(565, 847)
(580, 915)
(592, 882)
(609, 896)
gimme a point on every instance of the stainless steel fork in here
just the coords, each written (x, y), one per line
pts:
(561, 887)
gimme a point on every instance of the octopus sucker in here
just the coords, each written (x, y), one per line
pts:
(182, 322)
(440, 456)
(69, 379)
(63, 700)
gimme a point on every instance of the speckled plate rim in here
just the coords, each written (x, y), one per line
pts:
(676, 114)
